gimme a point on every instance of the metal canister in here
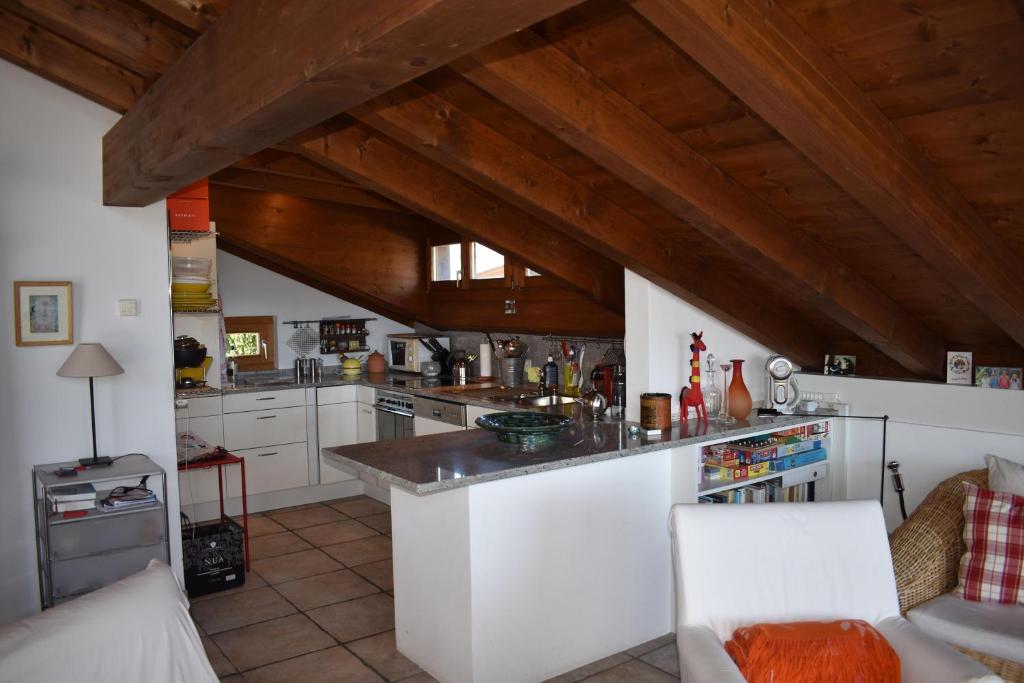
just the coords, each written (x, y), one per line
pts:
(655, 411)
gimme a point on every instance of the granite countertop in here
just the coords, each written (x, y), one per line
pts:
(429, 464)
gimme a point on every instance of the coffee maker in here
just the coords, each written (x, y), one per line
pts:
(782, 391)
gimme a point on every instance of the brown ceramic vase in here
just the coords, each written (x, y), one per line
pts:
(739, 398)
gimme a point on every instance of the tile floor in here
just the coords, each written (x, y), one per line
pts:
(317, 606)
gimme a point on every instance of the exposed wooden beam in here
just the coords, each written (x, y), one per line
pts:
(191, 16)
(112, 29)
(284, 163)
(67, 64)
(538, 80)
(372, 258)
(762, 55)
(269, 69)
(439, 194)
(299, 187)
(449, 136)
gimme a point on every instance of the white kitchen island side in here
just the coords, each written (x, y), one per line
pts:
(518, 567)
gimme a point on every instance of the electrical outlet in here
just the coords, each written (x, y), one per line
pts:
(128, 307)
(510, 306)
(180, 402)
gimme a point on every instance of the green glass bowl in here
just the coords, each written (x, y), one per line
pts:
(524, 428)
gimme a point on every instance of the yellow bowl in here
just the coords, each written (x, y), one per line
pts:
(190, 287)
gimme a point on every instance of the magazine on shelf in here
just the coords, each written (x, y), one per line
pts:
(62, 494)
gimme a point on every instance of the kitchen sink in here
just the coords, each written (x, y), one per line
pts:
(545, 400)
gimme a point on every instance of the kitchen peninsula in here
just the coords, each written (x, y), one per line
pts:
(512, 565)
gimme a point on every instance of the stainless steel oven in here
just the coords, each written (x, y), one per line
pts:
(394, 415)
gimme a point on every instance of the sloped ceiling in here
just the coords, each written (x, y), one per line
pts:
(840, 177)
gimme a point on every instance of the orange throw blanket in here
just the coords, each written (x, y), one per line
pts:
(812, 651)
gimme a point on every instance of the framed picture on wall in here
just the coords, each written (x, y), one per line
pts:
(43, 313)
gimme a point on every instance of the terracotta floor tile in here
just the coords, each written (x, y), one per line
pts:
(325, 589)
(378, 572)
(261, 526)
(240, 609)
(381, 522)
(357, 618)
(379, 651)
(360, 506)
(334, 665)
(304, 506)
(665, 658)
(297, 519)
(221, 665)
(335, 532)
(272, 641)
(294, 566)
(275, 544)
(591, 669)
(252, 582)
(650, 645)
(352, 553)
(633, 671)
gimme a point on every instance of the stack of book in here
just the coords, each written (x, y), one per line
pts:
(122, 498)
(764, 492)
(72, 497)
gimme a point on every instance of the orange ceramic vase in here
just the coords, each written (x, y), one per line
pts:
(739, 398)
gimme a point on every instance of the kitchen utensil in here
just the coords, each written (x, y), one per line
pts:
(783, 393)
(376, 362)
(461, 367)
(189, 357)
(655, 411)
(594, 403)
(512, 371)
(304, 341)
(350, 366)
(527, 429)
(178, 286)
(195, 266)
(618, 409)
(431, 368)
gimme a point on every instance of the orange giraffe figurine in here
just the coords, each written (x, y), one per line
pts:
(691, 395)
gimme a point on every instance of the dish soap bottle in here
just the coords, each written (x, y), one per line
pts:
(549, 376)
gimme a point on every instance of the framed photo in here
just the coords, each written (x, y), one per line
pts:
(840, 365)
(998, 378)
(958, 367)
(43, 313)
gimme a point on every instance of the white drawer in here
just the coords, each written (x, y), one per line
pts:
(202, 406)
(264, 428)
(342, 394)
(330, 474)
(473, 412)
(275, 468)
(261, 400)
(366, 394)
(209, 429)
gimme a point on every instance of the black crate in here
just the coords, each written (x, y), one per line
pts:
(213, 556)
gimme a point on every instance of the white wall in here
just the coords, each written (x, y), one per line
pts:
(935, 430)
(53, 227)
(248, 289)
(658, 327)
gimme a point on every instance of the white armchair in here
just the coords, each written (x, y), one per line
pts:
(738, 565)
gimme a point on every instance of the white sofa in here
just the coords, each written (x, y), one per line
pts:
(737, 565)
(137, 629)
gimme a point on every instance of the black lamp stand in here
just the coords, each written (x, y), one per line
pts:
(95, 461)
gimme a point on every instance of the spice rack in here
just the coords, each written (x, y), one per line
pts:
(343, 335)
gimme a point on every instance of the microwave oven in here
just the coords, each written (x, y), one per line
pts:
(407, 353)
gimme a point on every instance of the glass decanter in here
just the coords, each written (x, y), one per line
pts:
(712, 394)
(723, 416)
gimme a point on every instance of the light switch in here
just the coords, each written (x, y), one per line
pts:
(128, 307)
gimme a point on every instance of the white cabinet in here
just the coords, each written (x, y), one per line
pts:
(366, 427)
(424, 426)
(341, 394)
(337, 425)
(264, 400)
(473, 412)
(275, 468)
(210, 429)
(201, 406)
(264, 428)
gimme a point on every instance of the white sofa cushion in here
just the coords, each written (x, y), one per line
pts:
(987, 627)
(738, 565)
(1005, 476)
(137, 629)
(923, 659)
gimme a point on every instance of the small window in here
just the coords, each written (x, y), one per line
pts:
(532, 273)
(250, 341)
(487, 263)
(446, 262)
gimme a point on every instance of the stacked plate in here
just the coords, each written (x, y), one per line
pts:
(191, 293)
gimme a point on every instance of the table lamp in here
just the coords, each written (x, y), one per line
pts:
(91, 360)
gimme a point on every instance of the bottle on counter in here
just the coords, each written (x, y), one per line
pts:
(549, 376)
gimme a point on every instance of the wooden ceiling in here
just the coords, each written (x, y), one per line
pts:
(830, 176)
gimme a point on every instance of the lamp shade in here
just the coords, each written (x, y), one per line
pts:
(90, 360)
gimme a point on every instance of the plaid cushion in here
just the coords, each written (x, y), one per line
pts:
(992, 569)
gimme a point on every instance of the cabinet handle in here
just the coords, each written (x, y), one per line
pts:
(263, 455)
(437, 413)
(267, 398)
(266, 417)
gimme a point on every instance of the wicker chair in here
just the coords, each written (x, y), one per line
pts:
(926, 552)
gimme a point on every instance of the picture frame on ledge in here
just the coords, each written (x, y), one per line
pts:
(841, 365)
(43, 313)
(959, 366)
